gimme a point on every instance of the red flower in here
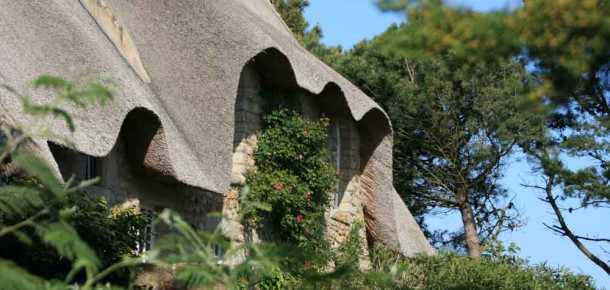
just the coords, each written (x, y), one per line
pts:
(305, 132)
(299, 218)
(300, 156)
(309, 199)
(308, 193)
(279, 186)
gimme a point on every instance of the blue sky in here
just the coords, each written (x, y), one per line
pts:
(347, 22)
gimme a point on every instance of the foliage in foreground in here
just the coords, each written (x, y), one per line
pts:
(111, 237)
(39, 211)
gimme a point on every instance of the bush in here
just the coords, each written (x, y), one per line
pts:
(347, 259)
(292, 180)
(112, 234)
(450, 270)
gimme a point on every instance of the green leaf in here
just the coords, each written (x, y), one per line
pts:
(34, 109)
(22, 237)
(51, 81)
(41, 110)
(261, 205)
(15, 277)
(64, 238)
(83, 184)
(19, 198)
(37, 167)
(57, 112)
(94, 93)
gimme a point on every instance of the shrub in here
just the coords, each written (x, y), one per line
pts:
(112, 234)
(450, 270)
(292, 180)
(347, 259)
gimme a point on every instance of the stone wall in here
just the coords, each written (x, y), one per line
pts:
(248, 109)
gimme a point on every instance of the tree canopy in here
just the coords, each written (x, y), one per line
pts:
(567, 45)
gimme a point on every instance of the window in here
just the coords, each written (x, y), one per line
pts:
(91, 167)
(148, 231)
(343, 154)
(337, 156)
(73, 163)
(217, 251)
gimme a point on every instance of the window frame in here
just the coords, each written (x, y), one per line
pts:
(143, 247)
(336, 126)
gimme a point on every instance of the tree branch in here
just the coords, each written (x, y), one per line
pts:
(410, 71)
(564, 230)
(27, 222)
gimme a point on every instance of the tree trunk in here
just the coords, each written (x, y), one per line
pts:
(470, 228)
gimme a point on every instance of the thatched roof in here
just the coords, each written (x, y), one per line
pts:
(185, 71)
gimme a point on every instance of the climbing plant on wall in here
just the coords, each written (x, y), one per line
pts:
(292, 178)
